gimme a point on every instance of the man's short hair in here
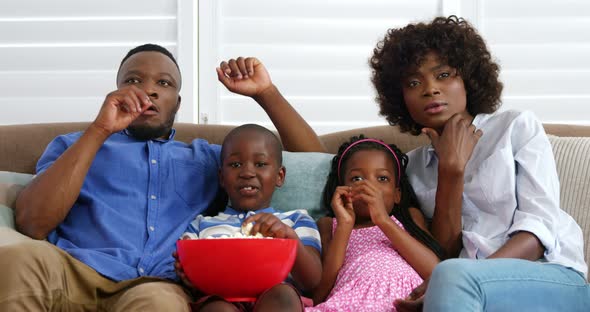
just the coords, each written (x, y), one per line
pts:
(149, 47)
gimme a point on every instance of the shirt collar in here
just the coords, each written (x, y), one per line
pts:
(231, 211)
(430, 155)
(170, 137)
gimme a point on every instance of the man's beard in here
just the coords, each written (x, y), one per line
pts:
(146, 132)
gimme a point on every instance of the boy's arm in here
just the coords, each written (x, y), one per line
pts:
(249, 77)
(334, 251)
(47, 200)
(307, 268)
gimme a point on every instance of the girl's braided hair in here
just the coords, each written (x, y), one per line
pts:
(408, 197)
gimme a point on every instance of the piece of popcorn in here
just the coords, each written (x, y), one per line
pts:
(247, 228)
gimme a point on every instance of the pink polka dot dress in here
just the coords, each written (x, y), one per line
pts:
(372, 277)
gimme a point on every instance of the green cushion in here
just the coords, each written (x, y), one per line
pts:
(304, 183)
(10, 184)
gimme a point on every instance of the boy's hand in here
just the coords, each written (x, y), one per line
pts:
(120, 108)
(365, 193)
(342, 206)
(180, 272)
(456, 143)
(269, 225)
(245, 76)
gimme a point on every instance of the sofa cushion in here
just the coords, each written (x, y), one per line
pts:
(572, 157)
(10, 184)
(304, 182)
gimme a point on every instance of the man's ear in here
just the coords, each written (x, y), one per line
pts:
(178, 103)
(281, 176)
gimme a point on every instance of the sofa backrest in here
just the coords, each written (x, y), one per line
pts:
(22, 145)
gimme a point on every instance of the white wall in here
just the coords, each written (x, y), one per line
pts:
(58, 58)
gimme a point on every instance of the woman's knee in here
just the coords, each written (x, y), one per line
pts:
(452, 271)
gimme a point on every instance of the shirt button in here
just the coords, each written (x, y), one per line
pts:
(152, 228)
(141, 270)
(154, 161)
(153, 197)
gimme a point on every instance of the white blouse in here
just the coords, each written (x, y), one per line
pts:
(511, 185)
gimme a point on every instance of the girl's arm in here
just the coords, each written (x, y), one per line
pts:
(420, 257)
(307, 267)
(333, 252)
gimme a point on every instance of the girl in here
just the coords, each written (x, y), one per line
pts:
(488, 180)
(375, 244)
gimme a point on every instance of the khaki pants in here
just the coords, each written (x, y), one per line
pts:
(38, 276)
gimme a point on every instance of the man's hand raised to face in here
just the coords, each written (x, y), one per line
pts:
(120, 108)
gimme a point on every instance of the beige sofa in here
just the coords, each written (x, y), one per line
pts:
(22, 145)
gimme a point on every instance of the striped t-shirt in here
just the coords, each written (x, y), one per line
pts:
(230, 221)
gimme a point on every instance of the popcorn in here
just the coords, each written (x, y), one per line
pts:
(245, 233)
(247, 229)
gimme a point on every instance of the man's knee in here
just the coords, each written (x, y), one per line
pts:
(154, 296)
(28, 260)
(30, 272)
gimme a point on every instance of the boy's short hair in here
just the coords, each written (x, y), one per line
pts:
(268, 135)
(457, 44)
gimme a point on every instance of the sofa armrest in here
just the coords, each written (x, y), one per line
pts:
(11, 236)
(6, 217)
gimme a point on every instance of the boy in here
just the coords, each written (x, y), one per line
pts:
(251, 168)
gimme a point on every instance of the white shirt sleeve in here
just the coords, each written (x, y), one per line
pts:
(537, 183)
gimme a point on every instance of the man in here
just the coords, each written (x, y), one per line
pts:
(113, 199)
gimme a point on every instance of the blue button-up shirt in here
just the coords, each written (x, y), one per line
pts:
(137, 199)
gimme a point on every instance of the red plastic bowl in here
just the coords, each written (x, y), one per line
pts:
(237, 269)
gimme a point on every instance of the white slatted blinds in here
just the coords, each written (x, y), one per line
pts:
(317, 53)
(59, 58)
(543, 47)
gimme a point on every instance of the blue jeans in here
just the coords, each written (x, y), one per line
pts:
(505, 285)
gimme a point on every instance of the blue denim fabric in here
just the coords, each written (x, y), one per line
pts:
(506, 285)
